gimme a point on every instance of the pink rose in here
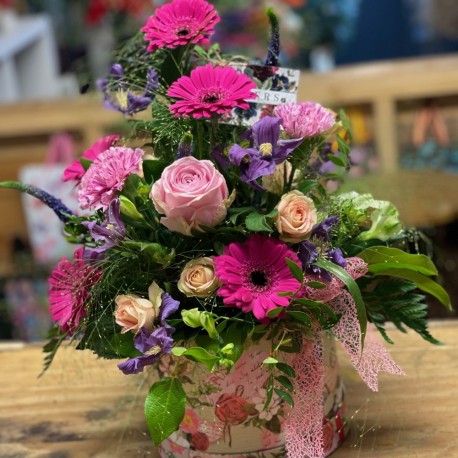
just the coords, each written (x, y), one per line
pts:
(200, 441)
(134, 312)
(233, 410)
(296, 217)
(191, 193)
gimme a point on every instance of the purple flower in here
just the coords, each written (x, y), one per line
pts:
(55, 204)
(119, 96)
(322, 164)
(266, 151)
(153, 344)
(108, 234)
(309, 250)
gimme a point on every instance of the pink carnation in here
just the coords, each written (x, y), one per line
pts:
(107, 175)
(69, 290)
(75, 170)
(179, 23)
(211, 90)
(305, 120)
(254, 272)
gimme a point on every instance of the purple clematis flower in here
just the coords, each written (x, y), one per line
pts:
(153, 344)
(266, 151)
(318, 244)
(119, 96)
(108, 234)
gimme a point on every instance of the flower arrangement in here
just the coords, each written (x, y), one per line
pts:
(220, 231)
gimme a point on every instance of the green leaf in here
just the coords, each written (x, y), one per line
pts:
(353, 288)
(306, 186)
(256, 222)
(285, 381)
(285, 396)
(178, 351)
(299, 316)
(235, 213)
(164, 408)
(123, 345)
(275, 312)
(316, 284)
(157, 252)
(152, 169)
(295, 270)
(287, 369)
(424, 283)
(270, 360)
(85, 163)
(337, 160)
(380, 258)
(200, 355)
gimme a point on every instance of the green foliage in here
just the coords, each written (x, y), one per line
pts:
(396, 300)
(164, 408)
(56, 337)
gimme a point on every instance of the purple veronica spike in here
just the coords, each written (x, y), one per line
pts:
(110, 233)
(155, 344)
(274, 42)
(55, 204)
(265, 153)
(118, 96)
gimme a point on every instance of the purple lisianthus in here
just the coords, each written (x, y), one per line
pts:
(107, 234)
(265, 152)
(119, 96)
(153, 344)
(318, 246)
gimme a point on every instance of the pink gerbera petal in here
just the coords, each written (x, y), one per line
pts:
(262, 274)
(180, 23)
(209, 90)
(69, 290)
(75, 170)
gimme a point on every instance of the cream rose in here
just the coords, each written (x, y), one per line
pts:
(198, 278)
(134, 312)
(296, 216)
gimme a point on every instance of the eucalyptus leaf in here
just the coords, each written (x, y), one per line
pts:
(296, 271)
(257, 223)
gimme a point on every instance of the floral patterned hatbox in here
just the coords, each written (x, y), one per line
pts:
(226, 416)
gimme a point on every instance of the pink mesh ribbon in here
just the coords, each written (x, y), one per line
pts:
(304, 424)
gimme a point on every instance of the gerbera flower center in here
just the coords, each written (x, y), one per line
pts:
(211, 97)
(259, 278)
(183, 31)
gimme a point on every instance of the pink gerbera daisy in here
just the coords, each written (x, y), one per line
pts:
(211, 90)
(69, 287)
(254, 272)
(107, 175)
(179, 23)
(75, 170)
(305, 120)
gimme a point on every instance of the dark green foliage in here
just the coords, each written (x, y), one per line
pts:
(398, 301)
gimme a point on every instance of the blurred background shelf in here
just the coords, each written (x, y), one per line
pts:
(381, 86)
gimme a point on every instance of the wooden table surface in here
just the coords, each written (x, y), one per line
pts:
(84, 407)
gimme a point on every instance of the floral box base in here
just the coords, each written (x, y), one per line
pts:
(225, 416)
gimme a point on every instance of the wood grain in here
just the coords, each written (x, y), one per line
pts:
(84, 407)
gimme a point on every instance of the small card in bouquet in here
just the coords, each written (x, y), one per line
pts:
(275, 86)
